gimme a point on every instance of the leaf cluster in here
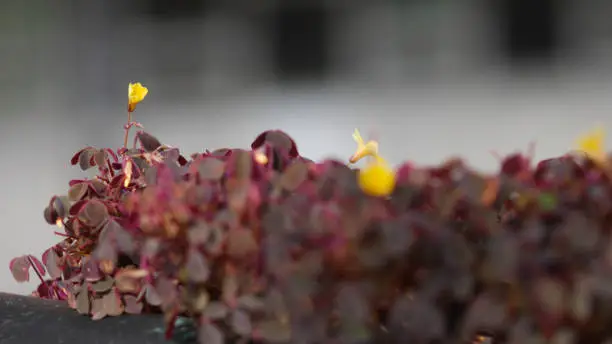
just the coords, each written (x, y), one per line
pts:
(287, 250)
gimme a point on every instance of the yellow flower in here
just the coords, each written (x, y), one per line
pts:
(377, 178)
(136, 93)
(592, 145)
(363, 149)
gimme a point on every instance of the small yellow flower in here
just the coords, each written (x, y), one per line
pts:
(363, 149)
(377, 178)
(592, 145)
(136, 93)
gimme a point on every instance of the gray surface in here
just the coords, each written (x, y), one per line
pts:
(30, 320)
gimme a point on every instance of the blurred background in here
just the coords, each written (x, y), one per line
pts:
(430, 78)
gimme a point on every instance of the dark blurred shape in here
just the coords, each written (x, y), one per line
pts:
(530, 29)
(176, 9)
(300, 36)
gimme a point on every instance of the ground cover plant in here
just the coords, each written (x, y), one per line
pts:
(262, 245)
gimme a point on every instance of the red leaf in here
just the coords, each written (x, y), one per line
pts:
(112, 153)
(76, 207)
(75, 157)
(76, 181)
(19, 267)
(52, 262)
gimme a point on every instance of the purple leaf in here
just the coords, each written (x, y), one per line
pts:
(105, 251)
(152, 296)
(210, 169)
(19, 268)
(97, 309)
(83, 304)
(77, 192)
(51, 261)
(197, 267)
(241, 323)
(216, 310)
(37, 265)
(93, 214)
(272, 331)
(148, 141)
(167, 291)
(210, 334)
(103, 285)
(251, 303)
(112, 304)
(132, 305)
(199, 234)
(91, 271)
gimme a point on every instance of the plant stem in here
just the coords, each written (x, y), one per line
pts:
(36, 270)
(127, 129)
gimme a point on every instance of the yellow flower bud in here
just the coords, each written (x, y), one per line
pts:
(136, 93)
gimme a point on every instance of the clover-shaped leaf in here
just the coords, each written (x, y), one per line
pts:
(149, 142)
(19, 268)
(93, 213)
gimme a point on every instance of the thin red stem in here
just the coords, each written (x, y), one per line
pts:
(36, 270)
(127, 129)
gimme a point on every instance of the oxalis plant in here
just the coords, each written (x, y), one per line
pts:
(261, 245)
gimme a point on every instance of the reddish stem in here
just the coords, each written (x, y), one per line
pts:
(36, 270)
(110, 169)
(64, 235)
(127, 129)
